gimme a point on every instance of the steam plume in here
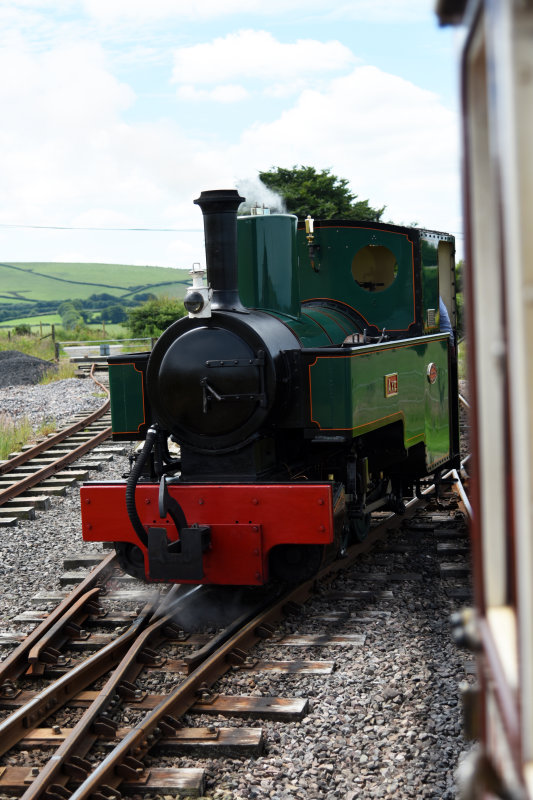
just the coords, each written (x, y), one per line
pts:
(257, 194)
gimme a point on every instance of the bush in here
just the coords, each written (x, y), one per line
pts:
(80, 333)
(153, 317)
(22, 330)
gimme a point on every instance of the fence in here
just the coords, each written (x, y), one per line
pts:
(95, 347)
(40, 325)
(12, 328)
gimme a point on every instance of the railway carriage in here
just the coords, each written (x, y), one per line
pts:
(497, 96)
(309, 386)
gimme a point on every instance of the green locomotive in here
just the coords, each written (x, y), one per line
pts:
(310, 372)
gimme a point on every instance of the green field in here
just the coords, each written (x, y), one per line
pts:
(110, 331)
(25, 282)
(46, 319)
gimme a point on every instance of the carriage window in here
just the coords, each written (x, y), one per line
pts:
(374, 267)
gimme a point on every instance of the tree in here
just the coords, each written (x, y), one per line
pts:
(320, 194)
(459, 297)
(70, 315)
(459, 269)
(114, 314)
(143, 297)
(103, 296)
(153, 317)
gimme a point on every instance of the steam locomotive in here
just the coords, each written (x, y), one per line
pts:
(308, 386)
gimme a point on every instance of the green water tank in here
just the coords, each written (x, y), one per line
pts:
(268, 274)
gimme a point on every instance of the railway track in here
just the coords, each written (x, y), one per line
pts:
(107, 725)
(28, 479)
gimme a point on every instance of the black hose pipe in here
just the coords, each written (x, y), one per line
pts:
(131, 485)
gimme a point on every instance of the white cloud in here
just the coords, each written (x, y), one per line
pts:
(68, 87)
(60, 108)
(286, 89)
(399, 11)
(257, 55)
(73, 154)
(396, 144)
(382, 11)
(71, 159)
(59, 5)
(100, 218)
(226, 93)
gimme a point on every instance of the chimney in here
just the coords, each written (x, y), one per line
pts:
(219, 208)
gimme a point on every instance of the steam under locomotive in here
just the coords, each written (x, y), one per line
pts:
(308, 386)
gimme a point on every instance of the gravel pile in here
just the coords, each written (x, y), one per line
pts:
(57, 401)
(20, 369)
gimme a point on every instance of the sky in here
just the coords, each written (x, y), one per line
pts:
(116, 114)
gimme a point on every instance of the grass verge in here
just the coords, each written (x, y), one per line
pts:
(16, 433)
(31, 345)
(64, 370)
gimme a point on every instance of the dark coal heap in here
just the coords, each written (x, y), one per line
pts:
(20, 369)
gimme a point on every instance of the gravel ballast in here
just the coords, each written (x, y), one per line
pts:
(32, 552)
(57, 401)
(386, 723)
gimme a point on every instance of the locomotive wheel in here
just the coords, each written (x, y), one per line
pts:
(293, 563)
(131, 559)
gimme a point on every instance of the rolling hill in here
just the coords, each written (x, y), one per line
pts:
(36, 282)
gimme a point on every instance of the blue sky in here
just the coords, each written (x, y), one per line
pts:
(118, 113)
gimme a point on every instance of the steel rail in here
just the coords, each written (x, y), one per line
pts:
(46, 472)
(158, 614)
(51, 441)
(17, 661)
(11, 464)
(68, 760)
(125, 760)
(101, 385)
(45, 650)
(47, 702)
(460, 491)
(464, 402)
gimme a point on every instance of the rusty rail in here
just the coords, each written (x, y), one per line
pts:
(125, 761)
(11, 464)
(46, 472)
(47, 702)
(57, 438)
(69, 757)
(18, 662)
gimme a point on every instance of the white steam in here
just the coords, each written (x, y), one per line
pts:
(257, 194)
